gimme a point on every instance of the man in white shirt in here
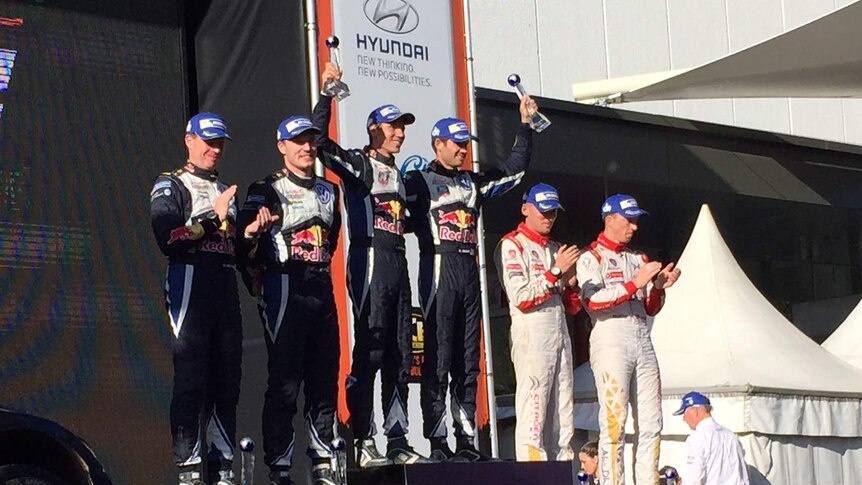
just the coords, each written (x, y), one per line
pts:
(714, 455)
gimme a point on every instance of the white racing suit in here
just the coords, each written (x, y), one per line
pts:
(622, 358)
(541, 348)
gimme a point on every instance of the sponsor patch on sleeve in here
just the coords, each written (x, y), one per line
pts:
(164, 184)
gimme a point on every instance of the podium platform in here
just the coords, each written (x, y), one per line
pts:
(493, 473)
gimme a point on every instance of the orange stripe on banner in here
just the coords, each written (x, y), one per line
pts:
(459, 54)
(462, 96)
(339, 278)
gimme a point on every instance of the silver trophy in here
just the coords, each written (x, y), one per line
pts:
(670, 476)
(334, 87)
(247, 473)
(538, 121)
(339, 461)
(583, 478)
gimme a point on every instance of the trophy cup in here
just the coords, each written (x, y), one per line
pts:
(583, 478)
(247, 473)
(538, 121)
(334, 87)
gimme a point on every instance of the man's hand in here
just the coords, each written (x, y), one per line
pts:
(527, 104)
(329, 72)
(646, 274)
(222, 203)
(261, 223)
(667, 277)
(566, 258)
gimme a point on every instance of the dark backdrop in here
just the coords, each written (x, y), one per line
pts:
(95, 108)
(93, 111)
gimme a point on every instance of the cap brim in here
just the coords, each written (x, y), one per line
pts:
(213, 137)
(310, 128)
(408, 118)
(679, 411)
(547, 207)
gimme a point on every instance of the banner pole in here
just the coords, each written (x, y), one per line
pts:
(483, 275)
(313, 66)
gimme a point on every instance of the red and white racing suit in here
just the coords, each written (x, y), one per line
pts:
(541, 348)
(622, 357)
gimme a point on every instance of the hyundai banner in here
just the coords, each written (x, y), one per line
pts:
(398, 52)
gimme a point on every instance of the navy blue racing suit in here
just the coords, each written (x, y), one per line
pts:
(377, 280)
(444, 208)
(296, 306)
(203, 308)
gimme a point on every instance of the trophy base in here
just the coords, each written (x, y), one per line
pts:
(538, 122)
(337, 90)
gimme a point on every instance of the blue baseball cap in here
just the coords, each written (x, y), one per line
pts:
(453, 129)
(543, 197)
(388, 113)
(293, 127)
(207, 126)
(624, 205)
(693, 398)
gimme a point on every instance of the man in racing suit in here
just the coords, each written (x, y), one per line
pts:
(444, 204)
(193, 217)
(290, 222)
(538, 275)
(620, 288)
(377, 274)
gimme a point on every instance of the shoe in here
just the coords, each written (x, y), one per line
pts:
(367, 454)
(400, 453)
(323, 474)
(191, 478)
(226, 477)
(444, 454)
(280, 477)
(473, 455)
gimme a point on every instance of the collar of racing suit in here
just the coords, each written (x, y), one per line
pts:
(532, 235)
(305, 183)
(390, 160)
(612, 245)
(438, 168)
(210, 175)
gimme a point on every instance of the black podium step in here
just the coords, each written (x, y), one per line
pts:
(496, 473)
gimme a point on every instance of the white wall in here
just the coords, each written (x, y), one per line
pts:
(553, 44)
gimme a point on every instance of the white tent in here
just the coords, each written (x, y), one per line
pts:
(796, 408)
(821, 59)
(846, 341)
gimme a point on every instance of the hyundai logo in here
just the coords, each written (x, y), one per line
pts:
(393, 16)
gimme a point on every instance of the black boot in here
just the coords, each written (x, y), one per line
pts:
(401, 453)
(440, 452)
(280, 476)
(322, 473)
(190, 476)
(466, 450)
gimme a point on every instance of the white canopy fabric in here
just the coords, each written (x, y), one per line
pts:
(846, 341)
(767, 381)
(821, 59)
